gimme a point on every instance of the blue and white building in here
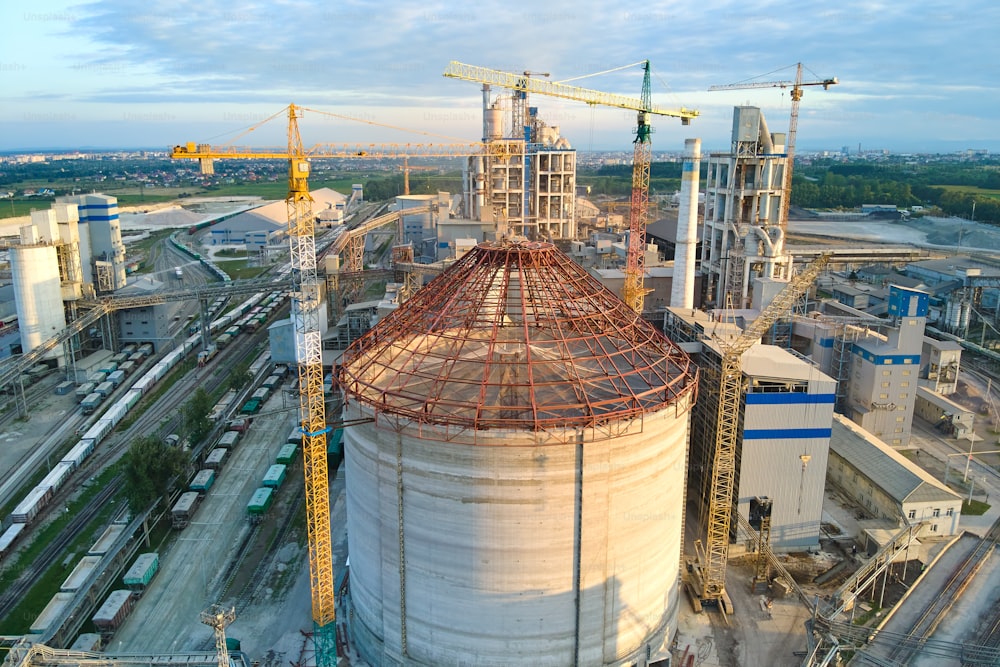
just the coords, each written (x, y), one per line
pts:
(102, 253)
(885, 371)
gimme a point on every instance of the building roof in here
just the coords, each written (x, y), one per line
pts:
(771, 361)
(897, 476)
(270, 217)
(516, 336)
(943, 345)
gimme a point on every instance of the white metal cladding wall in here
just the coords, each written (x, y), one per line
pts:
(488, 539)
(35, 274)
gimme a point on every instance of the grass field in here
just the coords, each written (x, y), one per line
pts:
(971, 190)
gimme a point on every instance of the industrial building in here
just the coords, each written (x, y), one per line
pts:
(885, 372)
(517, 495)
(102, 253)
(743, 199)
(531, 190)
(783, 443)
(893, 491)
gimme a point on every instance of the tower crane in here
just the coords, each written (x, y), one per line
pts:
(711, 570)
(632, 293)
(793, 124)
(308, 344)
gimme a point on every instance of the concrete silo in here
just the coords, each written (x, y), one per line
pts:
(517, 498)
(37, 294)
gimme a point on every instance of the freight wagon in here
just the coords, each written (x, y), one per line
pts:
(91, 403)
(138, 576)
(184, 509)
(106, 540)
(88, 641)
(64, 388)
(272, 382)
(53, 610)
(261, 395)
(97, 378)
(28, 508)
(286, 454)
(10, 536)
(229, 439)
(259, 503)
(84, 390)
(114, 611)
(126, 367)
(275, 476)
(117, 378)
(216, 458)
(295, 437)
(203, 481)
(251, 407)
(104, 389)
(78, 577)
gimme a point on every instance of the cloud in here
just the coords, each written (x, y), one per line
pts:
(387, 58)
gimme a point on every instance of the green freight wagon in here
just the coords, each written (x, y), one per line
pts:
(275, 476)
(203, 481)
(260, 502)
(142, 571)
(287, 454)
(251, 407)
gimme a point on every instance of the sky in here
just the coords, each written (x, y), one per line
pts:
(920, 76)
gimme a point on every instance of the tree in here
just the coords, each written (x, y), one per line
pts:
(196, 412)
(240, 376)
(149, 467)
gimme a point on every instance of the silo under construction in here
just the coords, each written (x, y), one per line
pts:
(517, 495)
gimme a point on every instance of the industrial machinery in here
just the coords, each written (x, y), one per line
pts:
(632, 292)
(710, 569)
(793, 122)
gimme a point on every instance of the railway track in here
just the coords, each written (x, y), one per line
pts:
(16, 591)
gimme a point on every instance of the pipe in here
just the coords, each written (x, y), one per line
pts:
(682, 288)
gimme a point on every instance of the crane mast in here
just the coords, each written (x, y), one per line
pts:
(633, 292)
(312, 410)
(722, 492)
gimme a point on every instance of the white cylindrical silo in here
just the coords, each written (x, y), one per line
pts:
(517, 497)
(682, 288)
(38, 296)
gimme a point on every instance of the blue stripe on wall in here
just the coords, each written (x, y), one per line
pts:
(825, 342)
(786, 433)
(783, 398)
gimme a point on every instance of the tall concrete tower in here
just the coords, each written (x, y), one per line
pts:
(682, 289)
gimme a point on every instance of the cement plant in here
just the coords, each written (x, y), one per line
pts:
(511, 425)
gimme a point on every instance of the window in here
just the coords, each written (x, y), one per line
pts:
(934, 528)
(883, 395)
(904, 384)
(898, 430)
(936, 513)
(888, 362)
(912, 514)
(906, 373)
(885, 385)
(885, 373)
(949, 512)
(899, 419)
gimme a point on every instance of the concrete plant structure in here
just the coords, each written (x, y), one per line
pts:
(102, 253)
(743, 200)
(517, 497)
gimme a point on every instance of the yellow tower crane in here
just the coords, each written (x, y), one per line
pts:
(793, 125)
(713, 561)
(308, 345)
(633, 292)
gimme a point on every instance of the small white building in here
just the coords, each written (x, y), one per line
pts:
(887, 484)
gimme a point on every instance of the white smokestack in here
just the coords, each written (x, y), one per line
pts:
(682, 290)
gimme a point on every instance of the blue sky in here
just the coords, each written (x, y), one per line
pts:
(915, 76)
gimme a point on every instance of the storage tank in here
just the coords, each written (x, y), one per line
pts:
(38, 296)
(517, 499)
